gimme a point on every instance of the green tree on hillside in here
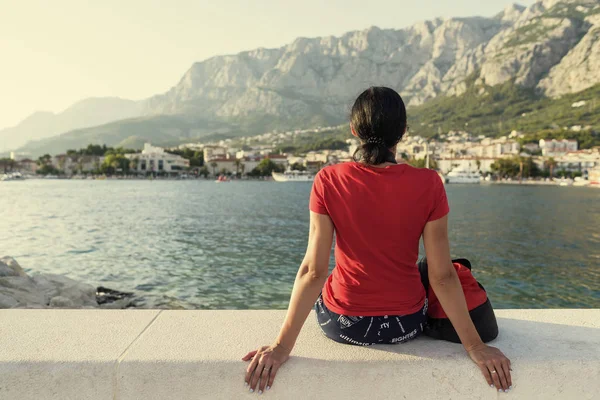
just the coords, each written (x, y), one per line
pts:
(515, 167)
(297, 167)
(266, 167)
(196, 158)
(44, 160)
(115, 164)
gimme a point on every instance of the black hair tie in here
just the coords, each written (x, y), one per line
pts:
(375, 140)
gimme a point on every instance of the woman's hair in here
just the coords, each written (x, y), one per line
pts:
(379, 120)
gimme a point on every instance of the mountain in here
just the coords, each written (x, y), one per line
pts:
(550, 48)
(164, 130)
(85, 113)
(536, 46)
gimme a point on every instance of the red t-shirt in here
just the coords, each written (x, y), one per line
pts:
(379, 215)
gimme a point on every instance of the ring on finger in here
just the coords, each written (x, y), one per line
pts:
(494, 372)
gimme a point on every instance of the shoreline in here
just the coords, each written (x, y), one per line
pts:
(20, 290)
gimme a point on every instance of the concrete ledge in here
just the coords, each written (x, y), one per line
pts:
(140, 354)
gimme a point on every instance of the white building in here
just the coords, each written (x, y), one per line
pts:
(211, 152)
(313, 156)
(156, 160)
(226, 165)
(556, 147)
(579, 161)
(484, 165)
(279, 159)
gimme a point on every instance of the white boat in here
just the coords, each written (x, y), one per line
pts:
(463, 176)
(292, 176)
(13, 176)
(565, 182)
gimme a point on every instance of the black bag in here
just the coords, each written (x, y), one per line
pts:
(482, 314)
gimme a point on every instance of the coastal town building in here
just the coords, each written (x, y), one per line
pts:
(557, 147)
(156, 160)
(483, 165)
(312, 167)
(212, 152)
(64, 163)
(249, 163)
(27, 166)
(579, 161)
(279, 159)
(223, 165)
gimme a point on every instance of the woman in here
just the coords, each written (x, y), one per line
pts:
(379, 210)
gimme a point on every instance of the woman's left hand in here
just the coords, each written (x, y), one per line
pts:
(265, 363)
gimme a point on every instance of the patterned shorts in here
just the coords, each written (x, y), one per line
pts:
(366, 331)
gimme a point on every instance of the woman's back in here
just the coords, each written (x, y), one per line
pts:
(379, 215)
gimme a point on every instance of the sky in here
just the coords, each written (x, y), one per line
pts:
(54, 53)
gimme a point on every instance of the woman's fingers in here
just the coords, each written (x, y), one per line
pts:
(494, 375)
(506, 368)
(486, 374)
(249, 355)
(264, 378)
(256, 376)
(250, 370)
(274, 370)
(501, 375)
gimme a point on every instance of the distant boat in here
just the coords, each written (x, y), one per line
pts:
(565, 182)
(292, 176)
(463, 176)
(221, 179)
(13, 176)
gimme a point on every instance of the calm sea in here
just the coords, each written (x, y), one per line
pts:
(238, 245)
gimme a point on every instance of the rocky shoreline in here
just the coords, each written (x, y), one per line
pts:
(20, 290)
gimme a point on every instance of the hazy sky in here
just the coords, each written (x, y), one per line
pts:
(53, 53)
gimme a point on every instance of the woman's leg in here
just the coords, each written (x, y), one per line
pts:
(483, 318)
(341, 328)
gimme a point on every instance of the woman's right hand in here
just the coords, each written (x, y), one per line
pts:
(494, 365)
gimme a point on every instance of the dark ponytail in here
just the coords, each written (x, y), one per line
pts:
(379, 120)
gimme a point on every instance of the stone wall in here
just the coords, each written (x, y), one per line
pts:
(163, 355)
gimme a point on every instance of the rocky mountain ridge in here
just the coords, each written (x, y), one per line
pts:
(551, 47)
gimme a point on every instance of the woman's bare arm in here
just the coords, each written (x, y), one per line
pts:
(310, 278)
(309, 282)
(446, 285)
(444, 281)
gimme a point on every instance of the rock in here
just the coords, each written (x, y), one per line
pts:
(105, 295)
(18, 290)
(580, 68)
(81, 294)
(7, 301)
(61, 302)
(10, 267)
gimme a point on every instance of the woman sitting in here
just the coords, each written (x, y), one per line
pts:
(379, 210)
